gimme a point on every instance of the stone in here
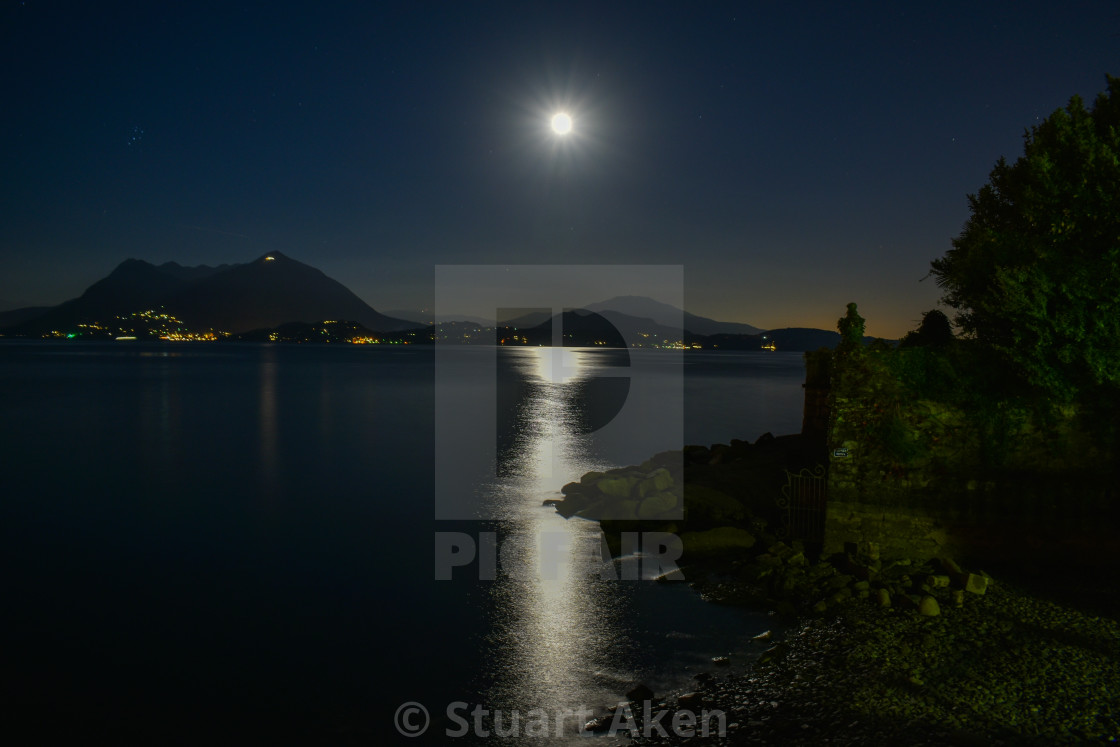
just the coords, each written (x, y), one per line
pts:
(958, 597)
(656, 504)
(572, 487)
(721, 661)
(928, 607)
(618, 487)
(884, 598)
(975, 583)
(662, 478)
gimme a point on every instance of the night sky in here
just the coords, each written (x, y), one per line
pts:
(791, 158)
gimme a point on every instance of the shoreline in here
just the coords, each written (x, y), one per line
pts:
(907, 652)
(1006, 668)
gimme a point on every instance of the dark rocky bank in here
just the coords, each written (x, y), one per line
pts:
(891, 651)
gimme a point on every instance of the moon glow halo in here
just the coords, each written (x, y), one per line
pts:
(561, 123)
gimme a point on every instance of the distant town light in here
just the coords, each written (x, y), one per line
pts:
(269, 258)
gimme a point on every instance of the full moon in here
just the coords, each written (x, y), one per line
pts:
(561, 124)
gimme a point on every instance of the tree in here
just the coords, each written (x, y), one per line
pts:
(935, 331)
(851, 329)
(1035, 274)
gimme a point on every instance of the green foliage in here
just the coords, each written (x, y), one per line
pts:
(888, 394)
(851, 329)
(1035, 275)
(934, 331)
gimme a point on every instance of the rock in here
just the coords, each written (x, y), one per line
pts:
(618, 487)
(763, 636)
(884, 598)
(572, 487)
(798, 559)
(721, 661)
(937, 582)
(928, 607)
(958, 597)
(976, 583)
(655, 482)
(601, 723)
(656, 504)
(639, 693)
(591, 477)
(552, 501)
(772, 653)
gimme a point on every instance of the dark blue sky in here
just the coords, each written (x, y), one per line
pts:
(792, 158)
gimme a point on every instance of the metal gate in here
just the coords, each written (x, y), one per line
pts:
(803, 500)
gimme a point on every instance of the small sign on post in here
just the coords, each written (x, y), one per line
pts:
(840, 453)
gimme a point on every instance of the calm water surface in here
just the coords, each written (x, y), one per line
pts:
(237, 541)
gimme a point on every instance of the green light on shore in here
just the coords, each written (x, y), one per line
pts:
(70, 336)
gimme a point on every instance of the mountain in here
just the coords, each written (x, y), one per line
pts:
(267, 292)
(668, 315)
(424, 317)
(18, 316)
(271, 291)
(192, 273)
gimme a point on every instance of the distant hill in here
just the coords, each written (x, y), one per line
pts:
(668, 315)
(805, 338)
(18, 316)
(267, 292)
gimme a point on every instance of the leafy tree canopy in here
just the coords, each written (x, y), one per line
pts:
(851, 329)
(1035, 274)
(935, 331)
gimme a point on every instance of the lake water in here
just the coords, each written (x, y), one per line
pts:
(237, 541)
